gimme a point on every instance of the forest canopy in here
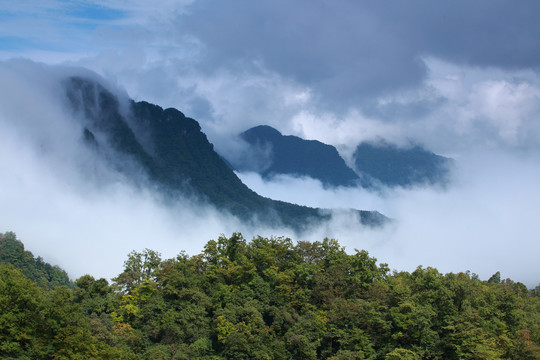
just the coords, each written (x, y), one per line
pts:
(268, 298)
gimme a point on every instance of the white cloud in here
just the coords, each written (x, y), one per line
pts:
(485, 222)
(467, 227)
(513, 109)
(68, 205)
(344, 132)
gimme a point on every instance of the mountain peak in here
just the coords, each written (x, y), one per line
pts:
(292, 155)
(261, 132)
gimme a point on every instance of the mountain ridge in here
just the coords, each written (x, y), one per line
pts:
(374, 165)
(176, 154)
(295, 156)
(392, 166)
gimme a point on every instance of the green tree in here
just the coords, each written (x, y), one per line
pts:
(139, 266)
(45, 275)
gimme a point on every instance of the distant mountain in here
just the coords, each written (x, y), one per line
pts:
(375, 165)
(295, 156)
(393, 166)
(176, 155)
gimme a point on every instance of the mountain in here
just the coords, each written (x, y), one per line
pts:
(392, 166)
(176, 156)
(295, 156)
(374, 164)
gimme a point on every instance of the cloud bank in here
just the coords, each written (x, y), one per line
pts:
(69, 205)
(485, 222)
(461, 78)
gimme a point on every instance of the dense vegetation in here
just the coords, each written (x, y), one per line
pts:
(267, 299)
(176, 156)
(45, 275)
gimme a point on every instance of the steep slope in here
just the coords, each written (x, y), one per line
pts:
(393, 166)
(176, 155)
(295, 156)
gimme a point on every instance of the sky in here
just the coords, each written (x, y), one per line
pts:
(461, 78)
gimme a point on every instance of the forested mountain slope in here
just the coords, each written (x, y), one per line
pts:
(46, 275)
(176, 155)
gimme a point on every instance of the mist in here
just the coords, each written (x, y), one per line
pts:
(71, 206)
(485, 221)
(460, 80)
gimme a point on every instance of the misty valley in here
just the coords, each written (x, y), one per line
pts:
(205, 179)
(95, 162)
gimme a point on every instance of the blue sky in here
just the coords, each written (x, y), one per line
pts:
(64, 27)
(461, 78)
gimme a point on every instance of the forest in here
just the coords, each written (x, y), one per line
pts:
(264, 298)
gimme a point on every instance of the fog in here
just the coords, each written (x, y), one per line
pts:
(461, 79)
(68, 205)
(485, 221)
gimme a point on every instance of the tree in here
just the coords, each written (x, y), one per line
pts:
(22, 315)
(495, 278)
(138, 268)
(45, 275)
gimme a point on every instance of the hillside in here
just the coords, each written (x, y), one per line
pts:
(392, 166)
(295, 156)
(44, 274)
(176, 156)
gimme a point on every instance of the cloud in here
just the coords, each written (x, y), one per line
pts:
(455, 108)
(461, 78)
(486, 109)
(345, 54)
(347, 51)
(340, 73)
(485, 222)
(68, 205)
(88, 224)
(330, 48)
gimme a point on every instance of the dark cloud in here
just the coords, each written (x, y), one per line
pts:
(483, 33)
(348, 50)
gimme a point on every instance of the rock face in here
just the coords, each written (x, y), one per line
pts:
(392, 166)
(176, 156)
(295, 156)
